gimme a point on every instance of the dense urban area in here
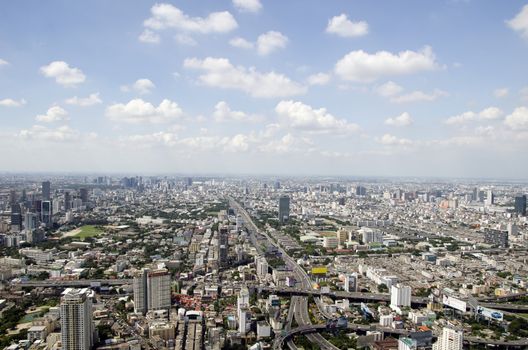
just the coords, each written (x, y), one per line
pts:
(214, 263)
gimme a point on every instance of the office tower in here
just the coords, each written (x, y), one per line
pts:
(223, 246)
(152, 291)
(497, 238)
(46, 213)
(188, 181)
(12, 197)
(520, 205)
(46, 191)
(83, 193)
(475, 194)
(490, 198)
(30, 221)
(16, 217)
(77, 329)
(262, 266)
(361, 191)
(277, 185)
(284, 209)
(450, 339)
(243, 309)
(351, 283)
(67, 201)
(400, 295)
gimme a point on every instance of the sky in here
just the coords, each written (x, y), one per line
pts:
(298, 87)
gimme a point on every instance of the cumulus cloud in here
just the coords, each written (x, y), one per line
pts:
(391, 140)
(63, 73)
(389, 89)
(60, 134)
(319, 79)
(518, 120)
(141, 86)
(92, 99)
(502, 92)
(137, 111)
(403, 119)
(361, 66)
(490, 113)
(9, 102)
(241, 43)
(286, 144)
(185, 39)
(419, 96)
(298, 115)
(220, 73)
(270, 42)
(519, 23)
(149, 37)
(54, 114)
(3, 62)
(247, 5)
(164, 16)
(149, 140)
(342, 26)
(223, 113)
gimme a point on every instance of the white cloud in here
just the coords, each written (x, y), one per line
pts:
(223, 113)
(490, 113)
(419, 96)
(219, 72)
(241, 43)
(91, 100)
(391, 140)
(520, 22)
(364, 67)
(270, 42)
(319, 79)
(389, 89)
(300, 116)
(286, 144)
(168, 16)
(141, 86)
(247, 5)
(237, 143)
(60, 134)
(149, 140)
(518, 120)
(54, 114)
(502, 92)
(403, 119)
(63, 73)
(9, 102)
(138, 111)
(185, 39)
(149, 37)
(342, 26)
(3, 62)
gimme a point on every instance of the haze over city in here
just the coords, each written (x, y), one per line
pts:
(298, 87)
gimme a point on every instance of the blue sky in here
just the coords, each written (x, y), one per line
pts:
(425, 88)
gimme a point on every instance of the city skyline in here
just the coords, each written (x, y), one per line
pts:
(256, 87)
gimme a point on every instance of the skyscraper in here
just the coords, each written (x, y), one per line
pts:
(223, 246)
(520, 204)
(450, 339)
(46, 191)
(284, 209)
(67, 201)
(361, 191)
(400, 296)
(152, 291)
(46, 213)
(16, 217)
(83, 193)
(77, 329)
(490, 198)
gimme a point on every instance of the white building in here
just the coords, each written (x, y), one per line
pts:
(451, 339)
(370, 235)
(152, 291)
(400, 296)
(330, 242)
(77, 328)
(386, 320)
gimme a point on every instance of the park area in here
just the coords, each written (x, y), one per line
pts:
(86, 231)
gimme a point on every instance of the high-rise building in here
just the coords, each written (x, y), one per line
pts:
(490, 198)
(400, 296)
(77, 329)
(67, 201)
(83, 193)
(223, 246)
(46, 213)
(243, 310)
(30, 221)
(262, 266)
(284, 209)
(16, 217)
(451, 339)
(361, 191)
(497, 238)
(520, 204)
(46, 191)
(351, 283)
(152, 291)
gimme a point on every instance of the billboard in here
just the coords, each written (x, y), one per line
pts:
(454, 303)
(490, 313)
(321, 270)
